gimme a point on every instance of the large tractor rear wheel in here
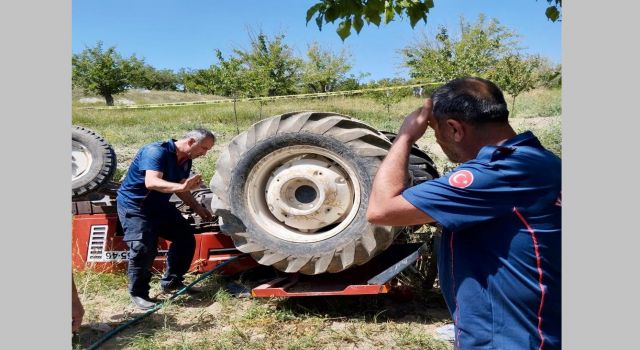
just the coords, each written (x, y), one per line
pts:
(293, 190)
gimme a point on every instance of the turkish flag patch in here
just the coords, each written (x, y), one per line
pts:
(461, 179)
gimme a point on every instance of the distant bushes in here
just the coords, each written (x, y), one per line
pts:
(551, 137)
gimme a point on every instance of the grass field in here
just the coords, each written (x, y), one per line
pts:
(128, 129)
(218, 320)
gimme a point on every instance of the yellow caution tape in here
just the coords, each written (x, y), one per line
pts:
(267, 98)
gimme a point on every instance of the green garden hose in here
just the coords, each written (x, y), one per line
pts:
(160, 305)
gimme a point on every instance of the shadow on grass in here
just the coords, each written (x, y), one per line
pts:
(427, 307)
(408, 304)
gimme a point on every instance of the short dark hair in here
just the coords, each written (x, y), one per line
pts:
(470, 99)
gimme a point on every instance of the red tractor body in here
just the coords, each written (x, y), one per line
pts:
(97, 243)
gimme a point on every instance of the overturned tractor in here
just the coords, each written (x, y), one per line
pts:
(293, 189)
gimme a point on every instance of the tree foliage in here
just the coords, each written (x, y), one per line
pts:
(269, 68)
(549, 74)
(158, 79)
(354, 13)
(388, 97)
(515, 74)
(237, 79)
(199, 81)
(474, 52)
(324, 71)
(352, 82)
(105, 72)
(483, 49)
(272, 61)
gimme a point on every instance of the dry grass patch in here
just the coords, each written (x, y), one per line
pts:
(217, 320)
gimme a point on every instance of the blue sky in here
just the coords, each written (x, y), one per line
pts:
(184, 34)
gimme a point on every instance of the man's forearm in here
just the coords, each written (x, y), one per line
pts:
(188, 199)
(164, 186)
(386, 204)
(392, 176)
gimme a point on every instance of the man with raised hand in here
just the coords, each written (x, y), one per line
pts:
(499, 261)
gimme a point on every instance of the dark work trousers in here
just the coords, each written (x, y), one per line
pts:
(142, 227)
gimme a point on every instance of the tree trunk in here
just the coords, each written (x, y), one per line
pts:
(109, 99)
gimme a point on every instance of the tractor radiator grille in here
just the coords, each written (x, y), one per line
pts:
(97, 242)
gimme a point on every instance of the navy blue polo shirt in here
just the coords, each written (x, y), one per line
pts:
(499, 261)
(158, 156)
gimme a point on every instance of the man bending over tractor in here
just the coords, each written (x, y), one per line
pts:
(158, 170)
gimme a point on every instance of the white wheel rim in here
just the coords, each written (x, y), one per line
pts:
(302, 193)
(81, 160)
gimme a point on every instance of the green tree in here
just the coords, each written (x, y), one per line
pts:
(182, 76)
(475, 52)
(200, 81)
(391, 96)
(324, 71)
(154, 79)
(352, 82)
(272, 61)
(549, 74)
(354, 13)
(236, 79)
(104, 71)
(228, 77)
(516, 74)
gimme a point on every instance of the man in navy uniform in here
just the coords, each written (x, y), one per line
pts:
(499, 261)
(158, 170)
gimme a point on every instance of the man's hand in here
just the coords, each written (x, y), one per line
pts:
(198, 208)
(203, 213)
(153, 181)
(191, 183)
(387, 206)
(415, 124)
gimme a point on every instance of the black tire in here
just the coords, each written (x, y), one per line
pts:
(93, 162)
(253, 160)
(421, 166)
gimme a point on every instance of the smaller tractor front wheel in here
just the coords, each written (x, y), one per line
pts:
(93, 161)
